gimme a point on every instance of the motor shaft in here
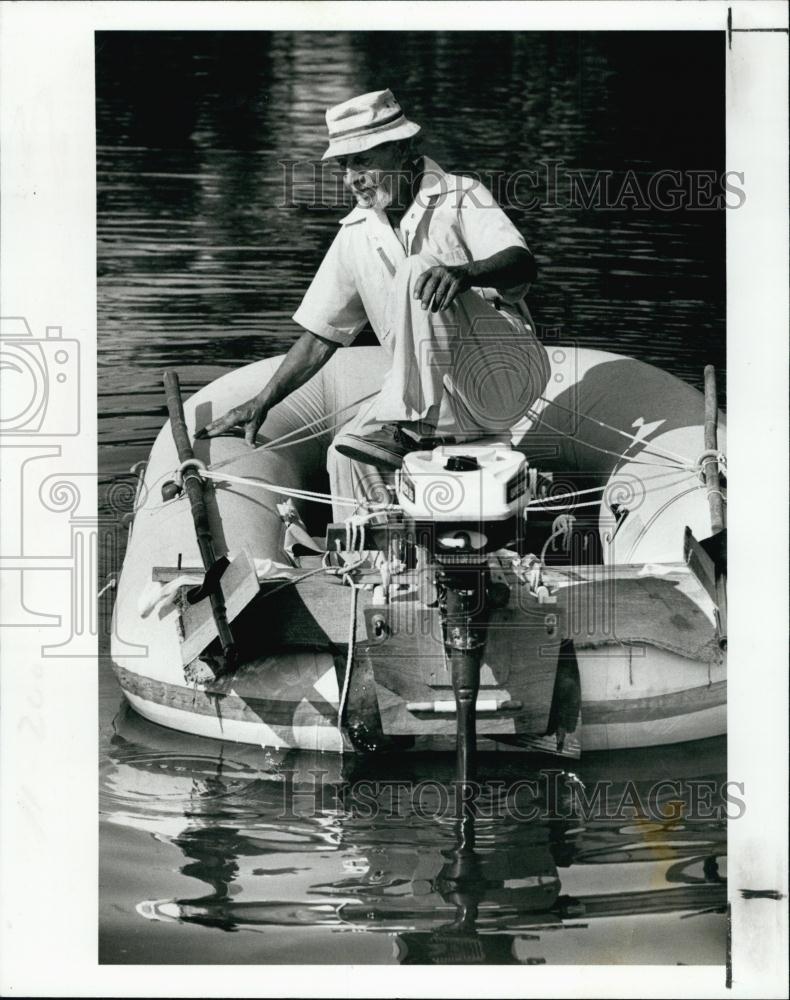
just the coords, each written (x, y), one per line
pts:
(465, 619)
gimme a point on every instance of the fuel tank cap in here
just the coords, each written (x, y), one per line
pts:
(462, 463)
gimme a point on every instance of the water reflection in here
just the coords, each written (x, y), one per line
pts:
(292, 839)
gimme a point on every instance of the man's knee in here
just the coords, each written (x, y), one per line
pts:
(351, 478)
(335, 461)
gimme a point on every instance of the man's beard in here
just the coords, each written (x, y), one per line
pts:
(374, 196)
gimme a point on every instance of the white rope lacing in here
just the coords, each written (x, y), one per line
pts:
(711, 456)
(313, 495)
(282, 442)
(557, 530)
(686, 467)
(633, 438)
(539, 501)
(655, 516)
(539, 504)
(608, 451)
(327, 498)
(355, 541)
(356, 522)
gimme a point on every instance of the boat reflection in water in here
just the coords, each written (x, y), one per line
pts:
(382, 846)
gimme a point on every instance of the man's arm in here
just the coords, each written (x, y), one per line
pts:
(439, 286)
(305, 357)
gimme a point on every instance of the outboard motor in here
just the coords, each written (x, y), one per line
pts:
(463, 502)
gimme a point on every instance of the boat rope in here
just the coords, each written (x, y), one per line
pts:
(595, 503)
(282, 442)
(315, 497)
(698, 467)
(355, 541)
(356, 522)
(344, 572)
(201, 470)
(289, 491)
(711, 456)
(559, 527)
(591, 503)
(355, 526)
(644, 529)
(538, 501)
(633, 438)
(648, 449)
(608, 451)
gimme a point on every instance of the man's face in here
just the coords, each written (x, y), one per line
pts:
(376, 177)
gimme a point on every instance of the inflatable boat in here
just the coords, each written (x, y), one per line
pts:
(612, 589)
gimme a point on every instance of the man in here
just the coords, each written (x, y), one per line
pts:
(439, 271)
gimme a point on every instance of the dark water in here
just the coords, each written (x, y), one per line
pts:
(221, 853)
(206, 244)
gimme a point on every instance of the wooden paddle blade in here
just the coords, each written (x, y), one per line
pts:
(700, 563)
(707, 560)
(239, 586)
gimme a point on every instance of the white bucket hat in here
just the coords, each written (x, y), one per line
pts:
(364, 122)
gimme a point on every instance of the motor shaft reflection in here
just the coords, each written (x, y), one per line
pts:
(272, 838)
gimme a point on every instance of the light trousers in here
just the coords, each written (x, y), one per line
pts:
(472, 371)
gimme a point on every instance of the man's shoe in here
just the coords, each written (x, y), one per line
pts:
(385, 447)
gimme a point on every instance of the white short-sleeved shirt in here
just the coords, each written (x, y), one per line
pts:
(453, 218)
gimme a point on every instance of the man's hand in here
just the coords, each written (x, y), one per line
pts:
(249, 415)
(304, 358)
(438, 287)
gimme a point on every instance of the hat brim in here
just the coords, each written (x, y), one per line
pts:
(360, 143)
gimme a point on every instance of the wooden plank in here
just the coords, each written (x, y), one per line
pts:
(710, 570)
(164, 574)
(700, 563)
(519, 665)
(313, 612)
(239, 586)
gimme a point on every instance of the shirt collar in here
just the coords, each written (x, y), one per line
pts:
(435, 181)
